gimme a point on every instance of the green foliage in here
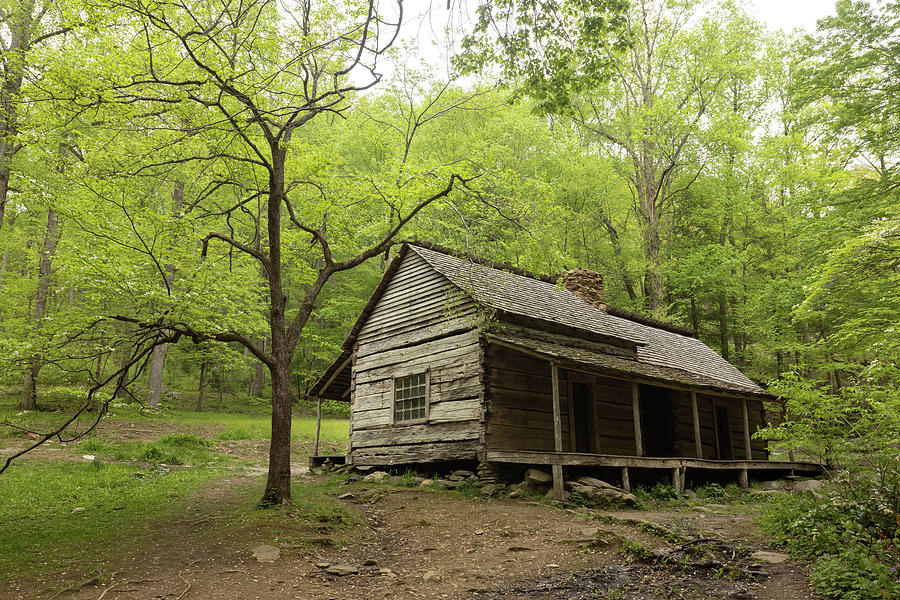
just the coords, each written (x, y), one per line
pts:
(658, 491)
(171, 449)
(547, 51)
(710, 491)
(854, 575)
(853, 546)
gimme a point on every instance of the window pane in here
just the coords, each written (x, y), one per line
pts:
(410, 399)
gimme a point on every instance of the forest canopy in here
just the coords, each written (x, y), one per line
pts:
(196, 199)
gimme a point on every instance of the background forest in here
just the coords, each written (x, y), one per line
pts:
(177, 180)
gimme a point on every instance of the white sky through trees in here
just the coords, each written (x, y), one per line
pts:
(788, 14)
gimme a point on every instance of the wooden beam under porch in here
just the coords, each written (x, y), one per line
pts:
(676, 465)
(579, 459)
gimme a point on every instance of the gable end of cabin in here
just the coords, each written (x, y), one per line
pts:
(417, 373)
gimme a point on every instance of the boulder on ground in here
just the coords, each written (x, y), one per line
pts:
(377, 476)
(341, 570)
(775, 484)
(770, 557)
(595, 490)
(445, 484)
(809, 485)
(538, 477)
(266, 553)
(549, 495)
(490, 489)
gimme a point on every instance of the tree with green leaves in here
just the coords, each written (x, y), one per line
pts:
(238, 95)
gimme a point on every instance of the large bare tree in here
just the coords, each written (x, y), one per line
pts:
(228, 86)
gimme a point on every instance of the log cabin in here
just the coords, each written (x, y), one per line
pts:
(456, 358)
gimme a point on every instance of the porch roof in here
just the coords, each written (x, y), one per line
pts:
(609, 363)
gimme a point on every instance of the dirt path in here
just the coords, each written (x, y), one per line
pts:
(417, 543)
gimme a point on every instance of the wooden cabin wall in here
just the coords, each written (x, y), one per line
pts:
(757, 421)
(520, 402)
(736, 426)
(422, 322)
(684, 423)
(418, 303)
(707, 426)
(615, 416)
(454, 426)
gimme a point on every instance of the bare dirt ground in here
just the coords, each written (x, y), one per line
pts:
(418, 543)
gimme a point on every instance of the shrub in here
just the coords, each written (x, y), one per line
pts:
(851, 545)
(710, 491)
(658, 491)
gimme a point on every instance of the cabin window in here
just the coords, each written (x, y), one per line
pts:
(411, 398)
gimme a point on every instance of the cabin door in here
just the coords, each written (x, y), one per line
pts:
(657, 421)
(581, 420)
(723, 433)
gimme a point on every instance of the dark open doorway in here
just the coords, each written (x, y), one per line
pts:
(657, 421)
(723, 433)
(582, 417)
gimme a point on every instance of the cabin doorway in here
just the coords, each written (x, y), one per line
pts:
(582, 417)
(723, 433)
(657, 421)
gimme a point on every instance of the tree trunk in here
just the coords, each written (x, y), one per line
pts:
(647, 195)
(155, 380)
(258, 375)
(695, 314)
(3, 262)
(723, 327)
(29, 395)
(158, 356)
(617, 251)
(20, 25)
(201, 386)
(221, 383)
(278, 484)
(123, 366)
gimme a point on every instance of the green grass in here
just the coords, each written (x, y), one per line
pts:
(41, 533)
(211, 426)
(171, 449)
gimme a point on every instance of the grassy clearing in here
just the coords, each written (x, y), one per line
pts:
(42, 533)
(170, 449)
(210, 426)
(119, 509)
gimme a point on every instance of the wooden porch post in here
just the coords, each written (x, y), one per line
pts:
(697, 443)
(557, 433)
(636, 410)
(318, 425)
(746, 411)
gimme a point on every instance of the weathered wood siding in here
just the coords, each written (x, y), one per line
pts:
(519, 411)
(736, 426)
(418, 303)
(615, 420)
(421, 323)
(520, 402)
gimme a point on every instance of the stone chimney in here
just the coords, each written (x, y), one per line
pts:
(587, 285)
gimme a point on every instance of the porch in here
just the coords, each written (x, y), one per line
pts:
(580, 413)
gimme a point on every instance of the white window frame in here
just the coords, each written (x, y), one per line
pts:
(404, 375)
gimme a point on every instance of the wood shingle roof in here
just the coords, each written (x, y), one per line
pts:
(662, 354)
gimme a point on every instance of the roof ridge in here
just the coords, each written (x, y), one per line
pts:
(493, 264)
(552, 279)
(651, 322)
